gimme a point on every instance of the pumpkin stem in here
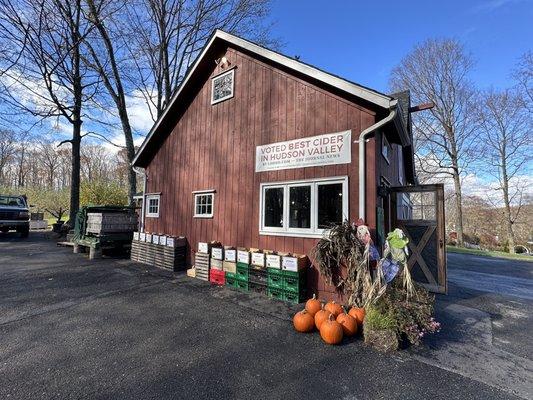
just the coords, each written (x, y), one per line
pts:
(330, 317)
(314, 296)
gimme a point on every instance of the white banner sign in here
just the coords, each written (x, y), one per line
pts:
(332, 148)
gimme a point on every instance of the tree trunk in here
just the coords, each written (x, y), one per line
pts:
(459, 209)
(130, 149)
(507, 209)
(75, 173)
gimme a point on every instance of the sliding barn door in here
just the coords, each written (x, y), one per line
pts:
(419, 212)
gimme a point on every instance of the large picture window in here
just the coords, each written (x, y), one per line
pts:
(303, 208)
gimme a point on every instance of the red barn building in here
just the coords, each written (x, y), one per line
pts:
(257, 149)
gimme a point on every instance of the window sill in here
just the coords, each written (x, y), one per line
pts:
(310, 235)
(151, 216)
(203, 216)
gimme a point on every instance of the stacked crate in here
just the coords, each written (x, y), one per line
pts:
(160, 251)
(242, 273)
(230, 266)
(174, 253)
(202, 261)
(286, 280)
(216, 273)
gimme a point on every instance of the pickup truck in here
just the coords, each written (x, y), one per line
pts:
(14, 214)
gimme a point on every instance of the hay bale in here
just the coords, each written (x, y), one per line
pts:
(382, 340)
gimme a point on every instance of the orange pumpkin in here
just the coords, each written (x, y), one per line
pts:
(348, 323)
(303, 321)
(313, 305)
(358, 313)
(331, 331)
(333, 308)
(320, 317)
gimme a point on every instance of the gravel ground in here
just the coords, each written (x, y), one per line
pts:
(71, 328)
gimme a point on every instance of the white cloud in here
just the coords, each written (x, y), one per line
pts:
(492, 5)
(139, 113)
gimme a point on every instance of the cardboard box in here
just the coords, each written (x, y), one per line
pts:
(243, 256)
(203, 247)
(230, 254)
(273, 261)
(142, 237)
(258, 259)
(229, 266)
(217, 253)
(216, 264)
(294, 262)
(135, 235)
(191, 272)
(148, 238)
(155, 239)
(163, 240)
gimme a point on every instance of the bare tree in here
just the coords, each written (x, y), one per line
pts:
(49, 161)
(41, 67)
(104, 59)
(167, 35)
(523, 74)
(506, 126)
(7, 151)
(437, 71)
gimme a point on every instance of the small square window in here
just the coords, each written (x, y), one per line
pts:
(203, 205)
(222, 87)
(152, 205)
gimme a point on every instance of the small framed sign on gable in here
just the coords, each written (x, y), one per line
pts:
(222, 86)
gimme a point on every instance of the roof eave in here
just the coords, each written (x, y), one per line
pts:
(379, 99)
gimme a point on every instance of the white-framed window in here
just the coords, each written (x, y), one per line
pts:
(401, 167)
(222, 86)
(204, 203)
(152, 205)
(306, 208)
(385, 148)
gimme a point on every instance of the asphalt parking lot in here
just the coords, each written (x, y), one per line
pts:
(71, 328)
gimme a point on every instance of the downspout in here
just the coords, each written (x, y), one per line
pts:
(362, 165)
(143, 206)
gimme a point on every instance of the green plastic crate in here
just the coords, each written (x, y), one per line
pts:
(294, 274)
(232, 282)
(242, 273)
(294, 298)
(231, 275)
(242, 265)
(275, 293)
(274, 278)
(294, 284)
(241, 285)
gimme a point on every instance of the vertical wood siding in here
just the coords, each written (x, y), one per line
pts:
(213, 147)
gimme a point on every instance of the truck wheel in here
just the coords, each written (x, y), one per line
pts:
(24, 233)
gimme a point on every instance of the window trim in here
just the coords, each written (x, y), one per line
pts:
(199, 193)
(312, 232)
(232, 72)
(152, 197)
(385, 144)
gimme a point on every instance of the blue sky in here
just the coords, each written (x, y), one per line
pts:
(363, 40)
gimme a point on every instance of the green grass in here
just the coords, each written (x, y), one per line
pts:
(487, 253)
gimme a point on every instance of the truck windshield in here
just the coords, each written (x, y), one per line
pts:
(12, 201)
